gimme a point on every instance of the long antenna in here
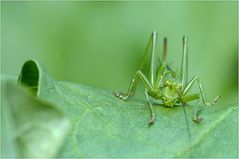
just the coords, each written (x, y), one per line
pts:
(188, 129)
(187, 123)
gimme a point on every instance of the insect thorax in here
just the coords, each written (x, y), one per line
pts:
(169, 90)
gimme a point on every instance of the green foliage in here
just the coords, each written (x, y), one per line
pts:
(104, 126)
(101, 44)
(30, 127)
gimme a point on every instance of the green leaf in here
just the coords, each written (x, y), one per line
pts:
(30, 127)
(105, 126)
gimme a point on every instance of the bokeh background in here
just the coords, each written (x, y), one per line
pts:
(101, 44)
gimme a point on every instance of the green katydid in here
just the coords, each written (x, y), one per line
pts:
(166, 85)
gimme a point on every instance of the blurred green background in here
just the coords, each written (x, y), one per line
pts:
(101, 44)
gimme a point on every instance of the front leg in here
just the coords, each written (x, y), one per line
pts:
(138, 75)
(152, 119)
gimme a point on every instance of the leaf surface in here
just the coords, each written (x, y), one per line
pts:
(105, 126)
(30, 127)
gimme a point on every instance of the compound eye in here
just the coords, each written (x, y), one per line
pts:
(180, 86)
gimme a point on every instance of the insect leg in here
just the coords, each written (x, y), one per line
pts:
(153, 59)
(161, 69)
(198, 107)
(184, 65)
(196, 112)
(164, 50)
(189, 86)
(152, 119)
(146, 53)
(191, 97)
(138, 75)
